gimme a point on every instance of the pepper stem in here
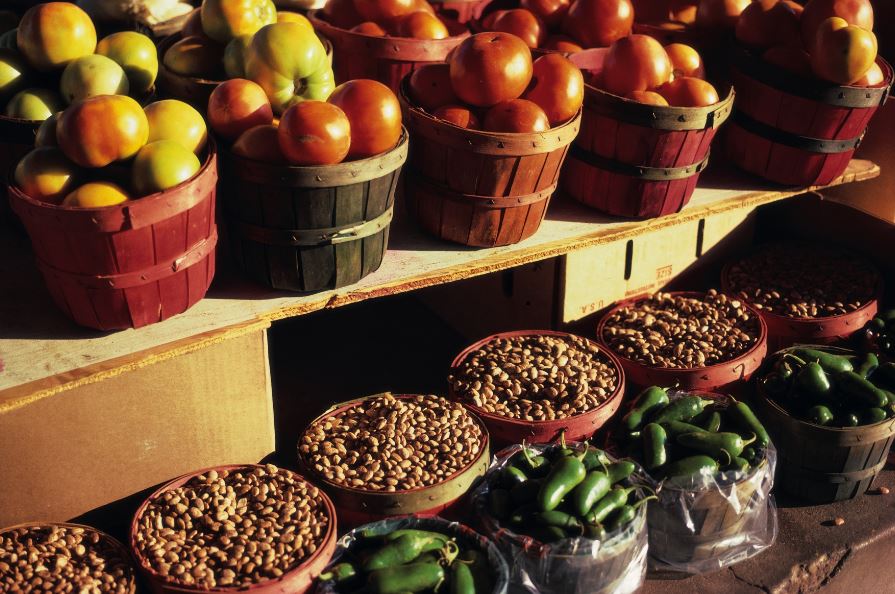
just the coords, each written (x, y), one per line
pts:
(749, 441)
(644, 500)
(798, 360)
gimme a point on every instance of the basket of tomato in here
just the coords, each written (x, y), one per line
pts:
(490, 132)
(808, 83)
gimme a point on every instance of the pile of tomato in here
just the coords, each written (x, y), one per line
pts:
(387, 18)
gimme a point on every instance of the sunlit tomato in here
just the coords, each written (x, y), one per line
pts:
(421, 25)
(260, 143)
(384, 11)
(791, 59)
(285, 16)
(170, 119)
(523, 24)
(314, 133)
(96, 195)
(34, 104)
(424, 6)
(551, 12)
(430, 86)
(635, 63)
(873, 78)
(161, 165)
(516, 115)
(45, 174)
(134, 52)
(648, 11)
(683, 11)
(222, 20)
(842, 53)
(369, 28)
(561, 43)
(647, 97)
(488, 68)
(237, 105)
(720, 14)
(855, 12)
(100, 130)
(557, 87)
(13, 72)
(598, 23)
(769, 23)
(193, 25)
(89, 76)
(52, 34)
(685, 61)
(341, 13)
(458, 116)
(374, 113)
(46, 133)
(687, 91)
(195, 56)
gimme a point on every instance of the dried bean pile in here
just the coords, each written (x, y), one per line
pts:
(232, 528)
(673, 331)
(803, 281)
(393, 444)
(62, 559)
(536, 377)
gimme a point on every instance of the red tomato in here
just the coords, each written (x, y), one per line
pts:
(720, 14)
(237, 105)
(374, 113)
(488, 68)
(561, 43)
(647, 97)
(685, 61)
(100, 130)
(687, 91)
(791, 59)
(421, 25)
(598, 23)
(557, 87)
(523, 24)
(260, 143)
(383, 11)
(458, 116)
(769, 23)
(516, 115)
(855, 12)
(369, 28)
(635, 63)
(314, 133)
(430, 86)
(551, 12)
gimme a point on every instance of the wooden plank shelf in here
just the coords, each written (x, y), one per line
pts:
(42, 353)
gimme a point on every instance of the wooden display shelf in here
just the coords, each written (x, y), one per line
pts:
(42, 353)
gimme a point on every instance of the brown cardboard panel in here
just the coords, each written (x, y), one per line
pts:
(75, 450)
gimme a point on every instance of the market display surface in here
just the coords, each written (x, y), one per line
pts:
(557, 462)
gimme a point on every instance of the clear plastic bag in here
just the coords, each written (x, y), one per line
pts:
(465, 537)
(570, 566)
(714, 522)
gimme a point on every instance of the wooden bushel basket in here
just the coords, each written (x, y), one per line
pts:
(478, 188)
(386, 59)
(795, 131)
(311, 228)
(634, 160)
(131, 264)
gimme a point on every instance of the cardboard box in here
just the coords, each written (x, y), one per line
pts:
(144, 420)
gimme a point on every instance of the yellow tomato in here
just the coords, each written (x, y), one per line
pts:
(96, 195)
(175, 120)
(45, 174)
(52, 34)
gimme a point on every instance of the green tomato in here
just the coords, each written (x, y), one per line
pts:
(235, 56)
(34, 104)
(136, 54)
(12, 72)
(161, 165)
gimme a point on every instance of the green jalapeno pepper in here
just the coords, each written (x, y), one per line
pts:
(682, 409)
(647, 402)
(675, 428)
(687, 469)
(812, 381)
(594, 458)
(548, 534)
(415, 577)
(396, 534)
(860, 390)
(595, 531)
(461, 580)
(867, 365)
(775, 385)
(565, 475)
(341, 572)
(873, 415)
(714, 443)
(738, 464)
(745, 419)
(594, 486)
(523, 514)
(830, 362)
(619, 471)
(560, 519)
(481, 570)
(499, 503)
(526, 492)
(820, 415)
(534, 466)
(784, 369)
(402, 550)
(510, 476)
(613, 500)
(847, 419)
(654, 446)
(713, 423)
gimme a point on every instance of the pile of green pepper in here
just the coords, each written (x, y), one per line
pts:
(688, 438)
(410, 560)
(829, 389)
(878, 335)
(564, 492)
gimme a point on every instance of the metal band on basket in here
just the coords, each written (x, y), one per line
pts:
(315, 237)
(483, 201)
(805, 143)
(638, 171)
(659, 117)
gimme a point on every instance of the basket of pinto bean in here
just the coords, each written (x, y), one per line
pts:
(250, 528)
(568, 517)
(805, 292)
(712, 464)
(696, 341)
(535, 385)
(74, 558)
(415, 554)
(390, 455)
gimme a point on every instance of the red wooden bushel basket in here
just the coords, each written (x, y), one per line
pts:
(634, 160)
(131, 264)
(386, 59)
(795, 131)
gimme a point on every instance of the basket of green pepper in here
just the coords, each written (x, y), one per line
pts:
(832, 415)
(713, 465)
(415, 554)
(570, 518)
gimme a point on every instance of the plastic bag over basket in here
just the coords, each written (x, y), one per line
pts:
(465, 537)
(715, 521)
(573, 565)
